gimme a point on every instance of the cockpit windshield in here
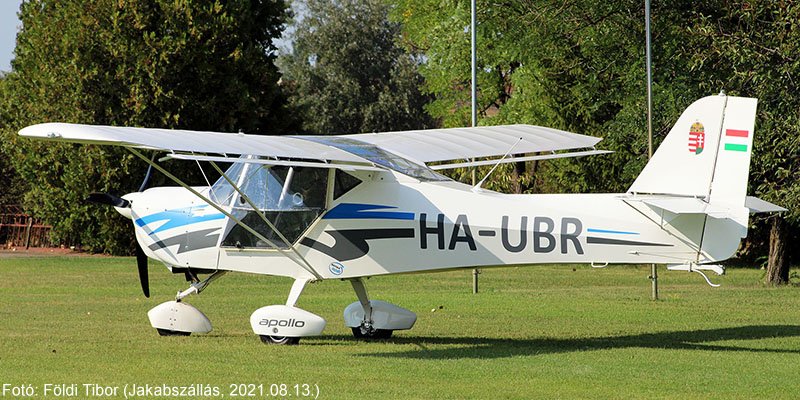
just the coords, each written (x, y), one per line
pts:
(221, 190)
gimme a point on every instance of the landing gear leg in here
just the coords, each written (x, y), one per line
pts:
(366, 330)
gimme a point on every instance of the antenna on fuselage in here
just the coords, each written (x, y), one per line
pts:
(478, 186)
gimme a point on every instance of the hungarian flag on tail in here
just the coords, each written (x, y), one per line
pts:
(736, 140)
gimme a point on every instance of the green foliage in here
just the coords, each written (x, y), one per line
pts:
(347, 72)
(577, 66)
(750, 49)
(202, 65)
(12, 187)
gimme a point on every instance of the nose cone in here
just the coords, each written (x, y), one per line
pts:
(126, 211)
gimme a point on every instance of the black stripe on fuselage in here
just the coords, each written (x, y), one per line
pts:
(190, 241)
(350, 244)
(599, 240)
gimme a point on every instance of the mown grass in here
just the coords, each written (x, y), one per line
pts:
(537, 332)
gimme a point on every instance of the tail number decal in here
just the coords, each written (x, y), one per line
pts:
(514, 241)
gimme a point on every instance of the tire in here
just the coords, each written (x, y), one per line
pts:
(167, 332)
(375, 334)
(280, 340)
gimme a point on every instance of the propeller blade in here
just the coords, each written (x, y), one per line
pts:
(109, 199)
(141, 263)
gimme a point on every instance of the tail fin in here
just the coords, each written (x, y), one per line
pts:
(706, 154)
(702, 167)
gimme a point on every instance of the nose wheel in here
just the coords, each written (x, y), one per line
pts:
(363, 332)
(167, 332)
(284, 340)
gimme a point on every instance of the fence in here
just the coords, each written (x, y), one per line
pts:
(18, 229)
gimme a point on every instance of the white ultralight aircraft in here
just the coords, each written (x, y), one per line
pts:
(353, 206)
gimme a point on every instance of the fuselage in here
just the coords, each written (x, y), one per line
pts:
(391, 223)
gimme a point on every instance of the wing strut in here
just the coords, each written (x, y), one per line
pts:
(478, 186)
(175, 179)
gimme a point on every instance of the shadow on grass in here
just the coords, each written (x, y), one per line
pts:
(466, 347)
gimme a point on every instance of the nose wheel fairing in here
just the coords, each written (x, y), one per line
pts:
(176, 318)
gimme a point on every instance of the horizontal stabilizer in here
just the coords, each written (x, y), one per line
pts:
(757, 205)
(679, 205)
(690, 205)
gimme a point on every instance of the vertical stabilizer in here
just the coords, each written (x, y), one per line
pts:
(706, 154)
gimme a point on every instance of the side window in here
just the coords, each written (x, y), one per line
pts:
(310, 184)
(343, 183)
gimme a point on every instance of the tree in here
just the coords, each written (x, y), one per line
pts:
(187, 64)
(348, 73)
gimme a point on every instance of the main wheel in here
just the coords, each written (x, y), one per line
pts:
(285, 340)
(167, 332)
(358, 333)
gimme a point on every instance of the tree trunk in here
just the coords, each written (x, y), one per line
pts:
(517, 174)
(532, 173)
(778, 264)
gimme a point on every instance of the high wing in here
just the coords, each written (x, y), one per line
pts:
(360, 151)
(468, 143)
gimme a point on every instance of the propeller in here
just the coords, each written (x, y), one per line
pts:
(119, 202)
(141, 258)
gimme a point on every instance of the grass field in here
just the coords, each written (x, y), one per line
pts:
(539, 332)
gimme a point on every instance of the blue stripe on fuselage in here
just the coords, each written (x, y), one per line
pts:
(364, 211)
(593, 230)
(177, 218)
